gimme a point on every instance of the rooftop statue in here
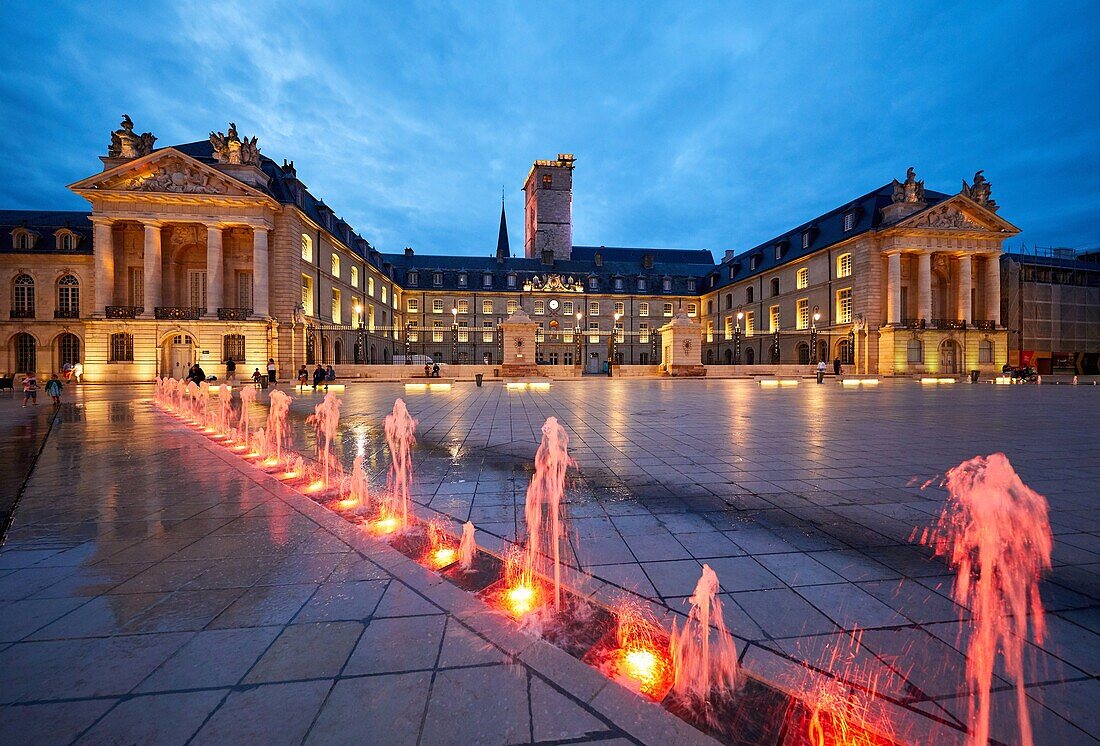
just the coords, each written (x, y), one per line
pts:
(125, 143)
(980, 192)
(230, 148)
(910, 190)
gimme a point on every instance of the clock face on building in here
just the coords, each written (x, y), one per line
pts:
(554, 305)
(519, 343)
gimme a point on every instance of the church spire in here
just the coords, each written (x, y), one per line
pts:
(503, 251)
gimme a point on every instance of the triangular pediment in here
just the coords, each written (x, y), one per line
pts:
(164, 173)
(959, 213)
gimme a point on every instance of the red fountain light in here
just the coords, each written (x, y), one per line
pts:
(522, 593)
(441, 550)
(641, 661)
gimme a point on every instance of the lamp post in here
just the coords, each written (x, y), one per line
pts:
(359, 343)
(408, 347)
(454, 334)
(580, 341)
(611, 343)
(813, 335)
(737, 336)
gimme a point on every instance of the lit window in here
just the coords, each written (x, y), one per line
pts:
(437, 278)
(620, 308)
(354, 276)
(727, 330)
(844, 306)
(802, 318)
(692, 310)
(335, 266)
(462, 279)
(370, 286)
(437, 305)
(773, 318)
(414, 331)
(384, 288)
(567, 308)
(540, 307)
(464, 307)
(307, 294)
(802, 278)
(486, 331)
(512, 307)
(464, 331)
(620, 332)
(335, 306)
(547, 181)
(710, 331)
(370, 317)
(849, 221)
(668, 309)
(914, 351)
(412, 305)
(356, 311)
(486, 306)
(437, 331)
(643, 309)
(643, 332)
(307, 248)
(593, 331)
(540, 334)
(844, 265)
(594, 308)
(750, 323)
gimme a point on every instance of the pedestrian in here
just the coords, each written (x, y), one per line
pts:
(435, 370)
(318, 376)
(198, 375)
(271, 371)
(230, 370)
(330, 376)
(256, 377)
(836, 366)
(427, 369)
(67, 371)
(30, 389)
(53, 388)
(303, 376)
(78, 371)
(821, 372)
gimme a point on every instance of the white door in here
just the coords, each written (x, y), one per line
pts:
(179, 360)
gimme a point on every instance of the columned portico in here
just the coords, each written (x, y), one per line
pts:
(214, 280)
(924, 285)
(966, 282)
(260, 271)
(152, 254)
(104, 247)
(893, 291)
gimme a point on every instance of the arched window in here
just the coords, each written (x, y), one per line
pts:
(750, 355)
(803, 353)
(729, 301)
(748, 294)
(844, 265)
(914, 351)
(775, 286)
(22, 240)
(68, 349)
(985, 351)
(233, 347)
(802, 278)
(68, 297)
(337, 352)
(844, 352)
(354, 276)
(26, 353)
(22, 297)
(122, 348)
(335, 265)
(65, 242)
(307, 248)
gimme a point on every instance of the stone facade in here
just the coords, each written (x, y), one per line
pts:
(548, 208)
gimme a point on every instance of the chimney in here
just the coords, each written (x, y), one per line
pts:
(647, 261)
(728, 256)
(408, 251)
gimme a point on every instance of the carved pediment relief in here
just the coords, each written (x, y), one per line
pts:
(946, 217)
(167, 172)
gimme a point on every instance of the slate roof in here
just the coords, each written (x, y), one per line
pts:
(1052, 261)
(825, 230)
(45, 223)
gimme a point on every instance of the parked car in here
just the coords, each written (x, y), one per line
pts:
(413, 360)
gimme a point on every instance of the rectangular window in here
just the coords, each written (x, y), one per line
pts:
(437, 305)
(335, 265)
(666, 285)
(668, 309)
(307, 294)
(122, 348)
(540, 335)
(233, 347)
(641, 285)
(691, 286)
(412, 305)
(620, 308)
(620, 332)
(567, 335)
(593, 308)
(370, 317)
(335, 306)
(486, 280)
(802, 318)
(370, 286)
(643, 332)
(462, 279)
(567, 308)
(437, 331)
(849, 221)
(844, 306)
(512, 306)
(307, 248)
(750, 323)
(463, 307)
(354, 276)
(464, 331)
(356, 311)
(414, 331)
(244, 290)
(511, 281)
(693, 310)
(593, 331)
(844, 265)
(643, 309)
(802, 278)
(135, 286)
(778, 252)
(414, 278)
(618, 283)
(486, 331)
(805, 239)
(567, 358)
(727, 328)
(437, 279)
(197, 285)
(773, 318)
(914, 351)
(486, 306)
(540, 307)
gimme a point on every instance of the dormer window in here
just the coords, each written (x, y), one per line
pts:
(413, 277)
(691, 285)
(849, 221)
(618, 283)
(641, 284)
(511, 280)
(486, 280)
(778, 252)
(754, 261)
(437, 279)
(66, 240)
(593, 283)
(731, 271)
(22, 239)
(805, 239)
(666, 284)
(462, 279)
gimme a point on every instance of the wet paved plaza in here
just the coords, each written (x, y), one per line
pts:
(153, 588)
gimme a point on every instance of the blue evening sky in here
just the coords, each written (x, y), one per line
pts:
(694, 125)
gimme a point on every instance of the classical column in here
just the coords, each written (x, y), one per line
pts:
(259, 272)
(966, 281)
(103, 245)
(893, 291)
(993, 288)
(214, 281)
(152, 267)
(924, 285)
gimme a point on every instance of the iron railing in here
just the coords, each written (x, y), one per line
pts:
(945, 324)
(178, 313)
(234, 314)
(123, 312)
(66, 313)
(22, 313)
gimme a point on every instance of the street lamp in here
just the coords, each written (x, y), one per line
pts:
(612, 341)
(359, 333)
(737, 335)
(813, 334)
(454, 334)
(408, 348)
(580, 341)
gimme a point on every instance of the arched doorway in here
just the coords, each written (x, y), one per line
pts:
(728, 356)
(803, 353)
(68, 349)
(710, 357)
(337, 352)
(750, 355)
(371, 355)
(179, 353)
(324, 348)
(26, 353)
(844, 352)
(386, 355)
(822, 350)
(950, 358)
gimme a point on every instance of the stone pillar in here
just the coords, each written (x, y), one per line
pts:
(260, 290)
(924, 286)
(103, 245)
(681, 347)
(519, 346)
(993, 288)
(966, 282)
(214, 281)
(152, 268)
(893, 288)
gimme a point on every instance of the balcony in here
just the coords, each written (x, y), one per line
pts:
(66, 313)
(22, 313)
(123, 312)
(234, 314)
(912, 323)
(985, 325)
(177, 313)
(948, 324)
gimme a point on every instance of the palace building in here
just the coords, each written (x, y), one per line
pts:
(210, 250)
